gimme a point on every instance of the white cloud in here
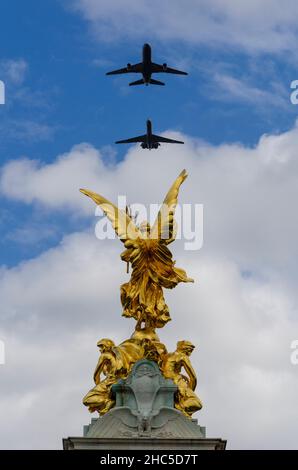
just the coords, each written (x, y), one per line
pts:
(14, 74)
(26, 130)
(254, 26)
(31, 234)
(55, 308)
(13, 70)
(241, 311)
(229, 88)
(260, 228)
(57, 184)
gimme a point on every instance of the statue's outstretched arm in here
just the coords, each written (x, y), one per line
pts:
(98, 370)
(191, 373)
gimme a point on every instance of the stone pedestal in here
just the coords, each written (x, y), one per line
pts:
(91, 443)
(144, 418)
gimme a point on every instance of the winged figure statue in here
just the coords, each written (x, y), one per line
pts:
(146, 249)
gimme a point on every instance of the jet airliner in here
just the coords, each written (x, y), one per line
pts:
(149, 140)
(146, 68)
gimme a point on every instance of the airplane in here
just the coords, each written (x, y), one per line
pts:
(149, 140)
(146, 68)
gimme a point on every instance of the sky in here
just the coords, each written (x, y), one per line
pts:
(59, 284)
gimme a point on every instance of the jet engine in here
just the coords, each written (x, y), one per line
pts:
(155, 145)
(143, 145)
(128, 66)
(165, 66)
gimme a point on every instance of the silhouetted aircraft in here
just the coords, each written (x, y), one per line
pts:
(146, 68)
(149, 140)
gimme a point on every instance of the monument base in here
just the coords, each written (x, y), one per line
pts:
(92, 443)
(144, 418)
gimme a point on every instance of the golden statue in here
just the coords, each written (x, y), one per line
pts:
(152, 264)
(172, 365)
(114, 363)
(153, 269)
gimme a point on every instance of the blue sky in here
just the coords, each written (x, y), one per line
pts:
(65, 91)
(59, 285)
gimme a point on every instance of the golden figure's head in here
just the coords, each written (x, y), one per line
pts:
(105, 344)
(186, 347)
(145, 228)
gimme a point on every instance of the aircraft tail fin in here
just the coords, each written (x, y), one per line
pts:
(155, 82)
(138, 82)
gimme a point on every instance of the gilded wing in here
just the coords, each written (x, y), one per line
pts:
(121, 221)
(164, 227)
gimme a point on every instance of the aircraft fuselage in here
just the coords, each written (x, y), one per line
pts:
(149, 144)
(147, 71)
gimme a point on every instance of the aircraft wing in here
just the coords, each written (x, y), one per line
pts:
(158, 138)
(132, 69)
(156, 68)
(140, 138)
